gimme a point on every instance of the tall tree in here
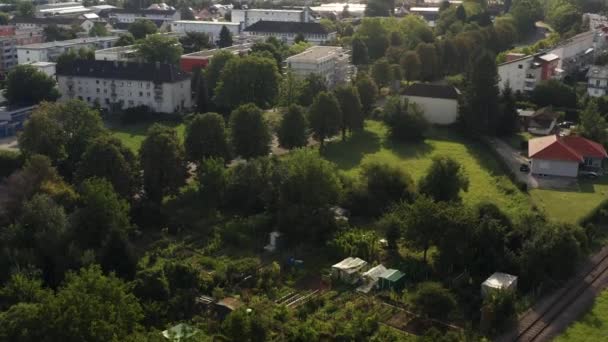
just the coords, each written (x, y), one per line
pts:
(293, 130)
(195, 41)
(201, 90)
(479, 105)
(359, 55)
(290, 89)
(509, 120)
(368, 92)
(108, 158)
(411, 65)
(142, 27)
(312, 85)
(212, 180)
(385, 185)
(206, 137)
(324, 116)
(379, 8)
(592, 125)
(125, 39)
(26, 8)
(162, 160)
(249, 133)
(26, 85)
(428, 53)
(351, 108)
(225, 38)
(444, 180)
(215, 68)
(160, 48)
(381, 72)
(405, 120)
(526, 13)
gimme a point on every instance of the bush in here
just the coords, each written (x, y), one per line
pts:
(10, 161)
(433, 300)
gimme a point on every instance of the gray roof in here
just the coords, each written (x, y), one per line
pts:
(155, 72)
(598, 71)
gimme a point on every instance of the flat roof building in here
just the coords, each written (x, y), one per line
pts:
(287, 31)
(330, 62)
(211, 28)
(50, 51)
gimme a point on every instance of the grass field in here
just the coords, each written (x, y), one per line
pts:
(483, 170)
(592, 327)
(133, 135)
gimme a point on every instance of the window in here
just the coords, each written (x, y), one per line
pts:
(141, 94)
(97, 90)
(520, 66)
(96, 81)
(597, 83)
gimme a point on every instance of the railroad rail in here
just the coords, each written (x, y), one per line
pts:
(533, 325)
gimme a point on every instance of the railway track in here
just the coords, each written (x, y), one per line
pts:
(534, 324)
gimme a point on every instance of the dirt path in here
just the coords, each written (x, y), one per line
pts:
(514, 159)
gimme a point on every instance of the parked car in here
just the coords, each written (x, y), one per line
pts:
(565, 124)
(588, 174)
(524, 168)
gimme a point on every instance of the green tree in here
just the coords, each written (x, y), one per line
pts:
(4, 18)
(117, 255)
(324, 117)
(141, 28)
(384, 185)
(312, 85)
(101, 211)
(479, 105)
(290, 89)
(23, 322)
(54, 33)
(360, 55)
(293, 130)
(299, 38)
(98, 30)
(381, 72)
(195, 41)
(25, 8)
(375, 35)
(362, 243)
(215, 68)
(162, 160)
(411, 65)
(225, 38)
(125, 39)
(368, 92)
(108, 158)
(444, 180)
(526, 13)
(428, 53)
(509, 120)
(212, 179)
(421, 223)
(159, 48)
(461, 13)
(405, 120)
(201, 90)
(554, 93)
(249, 133)
(379, 8)
(592, 125)
(351, 108)
(26, 85)
(249, 79)
(434, 300)
(206, 137)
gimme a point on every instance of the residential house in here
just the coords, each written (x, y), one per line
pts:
(524, 72)
(117, 85)
(540, 122)
(285, 31)
(332, 63)
(248, 17)
(597, 80)
(349, 270)
(564, 156)
(439, 102)
(201, 59)
(50, 51)
(211, 28)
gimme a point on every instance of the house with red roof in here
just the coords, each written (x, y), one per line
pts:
(564, 156)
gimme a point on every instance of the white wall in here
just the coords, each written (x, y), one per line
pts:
(514, 73)
(596, 87)
(248, 18)
(211, 28)
(27, 56)
(554, 167)
(437, 111)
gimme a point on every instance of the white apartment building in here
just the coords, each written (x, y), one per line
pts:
(126, 53)
(49, 68)
(249, 17)
(524, 72)
(50, 51)
(61, 22)
(597, 81)
(287, 31)
(330, 62)
(129, 16)
(117, 85)
(212, 28)
(10, 39)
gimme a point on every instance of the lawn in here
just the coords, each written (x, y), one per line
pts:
(592, 326)
(133, 135)
(483, 170)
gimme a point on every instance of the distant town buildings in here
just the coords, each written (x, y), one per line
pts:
(10, 38)
(524, 72)
(50, 51)
(130, 16)
(249, 17)
(211, 28)
(60, 22)
(330, 62)
(126, 53)
(201, 59)
(286, 31)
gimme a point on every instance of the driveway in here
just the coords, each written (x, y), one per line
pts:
(9, 143)
(514, 159)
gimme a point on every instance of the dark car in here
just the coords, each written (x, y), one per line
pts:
(588, 174)
(524, 168)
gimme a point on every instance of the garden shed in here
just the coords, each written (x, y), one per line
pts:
(498, 282)
(370, 278)
(348, 270)
(391, 280)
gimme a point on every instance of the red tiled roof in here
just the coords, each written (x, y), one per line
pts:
(571, 148)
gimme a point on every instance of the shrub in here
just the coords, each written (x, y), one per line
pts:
(433, 300)
(10, 161)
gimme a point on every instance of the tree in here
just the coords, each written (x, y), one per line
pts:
(249, 133)
(479, 105)
(509, 120)
(201, 90)
(461, 13)
(368, 92)
(252, 186)
(108, 158)
(592, 125)
(249, 79)
(26, 85)
(381, 72)
(92, 307)
(379, 8)
(444, 180)
(271, 48)
(26, 8)
(359, 55)
(405, 120)
(159, 48)
(526, 13)
(98, 30)
(434, 300)
(212, 180)
(411, 65)
(428, 53)
(293, 131)
(101, 212)
(162, 160)
(215, 68)
(375, 35)
(554, 93)
(195, 41)
(290, 89)
(299, 38)
(324, 116)
(384, 185)
(54, 33)
(125, 39)
(4, 18)
(141, 28)
(313, 85)
(225, 38)
(363, 243)
(206, 137)
(351, 108)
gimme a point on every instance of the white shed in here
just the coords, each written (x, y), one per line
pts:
(348, 270)
(439, 102)
(498, 282)
(370, 278)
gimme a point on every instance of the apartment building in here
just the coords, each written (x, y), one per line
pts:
(329, 62)
(597, 81)
(117, 85)
(211, 28)
(10, 38)
(287, 31)
(121, 15)
(249, 17)
(524, 72)
(50, 51)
